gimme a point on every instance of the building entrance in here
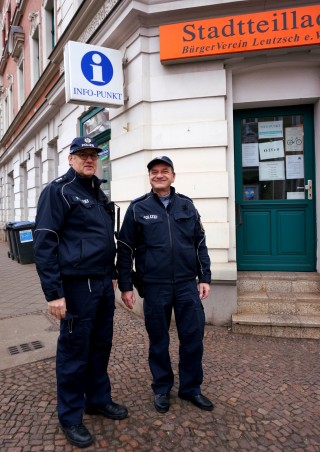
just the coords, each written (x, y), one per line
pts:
(275, 195)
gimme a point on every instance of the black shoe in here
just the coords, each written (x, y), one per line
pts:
(78, 435)
(161, 402)
(198, 400)
(110, 410)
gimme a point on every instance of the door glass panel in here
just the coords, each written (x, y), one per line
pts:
(273, 158)
(104, 168)
(97, 123)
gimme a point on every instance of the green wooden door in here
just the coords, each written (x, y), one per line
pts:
(275, 212)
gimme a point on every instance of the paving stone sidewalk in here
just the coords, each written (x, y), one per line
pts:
(266, 390)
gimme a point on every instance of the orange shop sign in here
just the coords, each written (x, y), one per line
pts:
(293, 27)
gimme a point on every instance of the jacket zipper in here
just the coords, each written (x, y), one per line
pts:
(171, 245)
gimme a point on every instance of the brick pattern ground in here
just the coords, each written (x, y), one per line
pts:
(266, 392)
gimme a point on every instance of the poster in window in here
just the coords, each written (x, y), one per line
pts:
(271, 150)
(270, 129)
(250, 192)
(294, 139)
(250, 154)
(295, 166)
(269, 171)
(295, 194)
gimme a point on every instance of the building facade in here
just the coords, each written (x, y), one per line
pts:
(228, 89)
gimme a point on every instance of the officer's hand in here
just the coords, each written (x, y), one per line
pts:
(57, 308)
(128, 298)
(204, 290)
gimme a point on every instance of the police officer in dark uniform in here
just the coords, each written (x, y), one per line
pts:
(74, 250)
(163, 235)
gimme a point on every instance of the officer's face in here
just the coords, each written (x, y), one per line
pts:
(161, 177)
(85, 165)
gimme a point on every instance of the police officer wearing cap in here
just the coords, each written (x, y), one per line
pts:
(162, 237)
(74, 251)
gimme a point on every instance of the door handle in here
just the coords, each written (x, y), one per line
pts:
(309, 188)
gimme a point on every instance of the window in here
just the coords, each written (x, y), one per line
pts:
(96, 124)
(48, 29)
(34, 48)
(24, 191)
(273, 158)
(6, 114)
(1, 198)
(20, 83)
(38, 165)
(10, 196)
(53, 160)
(6, 22)
(10, 102)
(16, 47)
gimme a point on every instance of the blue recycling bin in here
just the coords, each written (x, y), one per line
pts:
(22, 232)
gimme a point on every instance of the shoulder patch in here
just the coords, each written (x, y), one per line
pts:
(60, 179)
(139, 199)
(184, 196)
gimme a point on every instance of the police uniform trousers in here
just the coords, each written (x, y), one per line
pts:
(84, 347)
(159, 302)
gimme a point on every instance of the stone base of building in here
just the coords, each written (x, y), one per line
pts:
(218, 307)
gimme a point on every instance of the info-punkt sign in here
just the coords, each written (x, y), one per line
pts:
(93, 75)
(293, 27)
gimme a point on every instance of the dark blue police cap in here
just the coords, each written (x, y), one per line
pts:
(163, 159)
(80, 143)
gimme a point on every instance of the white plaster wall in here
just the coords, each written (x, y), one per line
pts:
(275, 82)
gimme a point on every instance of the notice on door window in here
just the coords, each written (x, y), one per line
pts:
(271, 171)
(295, 195)
(270, 129)
(295, 166)
(294, 139)
(271, 150)
(250, 154)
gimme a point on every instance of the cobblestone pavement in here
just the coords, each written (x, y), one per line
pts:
(266, 390)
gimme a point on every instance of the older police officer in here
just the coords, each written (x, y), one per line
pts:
(74, 251)
(163, 233)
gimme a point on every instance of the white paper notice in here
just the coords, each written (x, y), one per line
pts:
(271, 150)
(294, 139)
(250, 154)
(295, 166)
(271, 170)
(270, 129)
(295, 195)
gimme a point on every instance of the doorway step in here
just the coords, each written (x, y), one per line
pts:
(279, 304)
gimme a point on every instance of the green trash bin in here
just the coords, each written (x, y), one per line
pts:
(23, 238)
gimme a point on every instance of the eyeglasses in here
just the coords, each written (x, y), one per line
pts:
(85, 155)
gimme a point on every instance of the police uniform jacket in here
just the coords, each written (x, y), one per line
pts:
(167, 244)
(74, 232)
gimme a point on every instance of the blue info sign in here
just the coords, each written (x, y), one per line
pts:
(93, 75)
